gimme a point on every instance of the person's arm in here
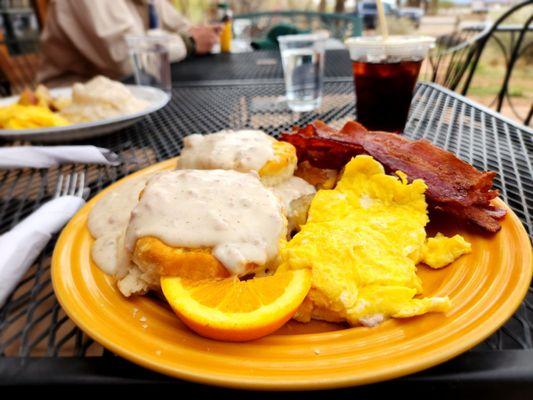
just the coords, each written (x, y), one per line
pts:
(169, 18)
(176, 25)
(97, 28)
(198, 39)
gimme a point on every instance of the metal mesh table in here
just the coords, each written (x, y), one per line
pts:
(38, 343)
(255, 65)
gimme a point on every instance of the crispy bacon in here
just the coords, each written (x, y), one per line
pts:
(454, 186)
(323, 146)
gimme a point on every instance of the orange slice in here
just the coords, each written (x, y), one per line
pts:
(234, 310)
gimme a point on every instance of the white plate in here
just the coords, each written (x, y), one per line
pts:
(156, 97)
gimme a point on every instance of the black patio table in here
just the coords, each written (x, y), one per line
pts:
(39, 344)
(258, 65)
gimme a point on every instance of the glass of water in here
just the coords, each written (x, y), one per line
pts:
(303, 66)
(151, 60)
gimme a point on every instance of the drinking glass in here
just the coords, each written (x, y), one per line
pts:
(302, 57)
(385, 73)
(242, 29)
(242, 35)
(150, 58)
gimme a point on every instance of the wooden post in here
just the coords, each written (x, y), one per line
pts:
(40, 7)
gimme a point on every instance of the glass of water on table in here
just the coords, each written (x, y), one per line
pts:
(149, 55)
(303, 66)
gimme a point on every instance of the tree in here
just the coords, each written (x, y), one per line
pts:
(339, 6)
(414, 3)
(434, 6)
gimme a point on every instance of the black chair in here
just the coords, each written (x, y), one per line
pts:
(18, 69)
(455, 60)
(19, 48)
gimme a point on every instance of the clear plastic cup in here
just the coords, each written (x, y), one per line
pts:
(149, 55)
(302, 57)
(385, 74)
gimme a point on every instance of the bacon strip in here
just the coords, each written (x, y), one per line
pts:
(454, 186)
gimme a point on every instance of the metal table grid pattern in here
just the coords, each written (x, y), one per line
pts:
(32, 324)
(257, 65)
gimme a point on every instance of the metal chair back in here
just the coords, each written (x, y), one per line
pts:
(452, 57)
(456, 59)
(340, 26)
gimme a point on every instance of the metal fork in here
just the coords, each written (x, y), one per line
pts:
(22, 245)
(71, 185)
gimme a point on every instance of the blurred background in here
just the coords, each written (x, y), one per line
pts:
(460, 27)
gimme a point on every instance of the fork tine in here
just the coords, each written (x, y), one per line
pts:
(59, 185)
(81, 184)
(66, 185)
(72, 187)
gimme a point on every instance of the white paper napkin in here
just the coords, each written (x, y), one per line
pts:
(51, 156)
(20, 246)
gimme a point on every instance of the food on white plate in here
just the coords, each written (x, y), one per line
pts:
(42, 97)
(17, 116)
(34, 109)
(98, 99)
(101, 98)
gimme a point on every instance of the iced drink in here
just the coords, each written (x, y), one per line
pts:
(385, 74)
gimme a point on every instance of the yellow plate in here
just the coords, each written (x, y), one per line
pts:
(485, 286)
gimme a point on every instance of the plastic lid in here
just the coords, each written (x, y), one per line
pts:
(395, 48)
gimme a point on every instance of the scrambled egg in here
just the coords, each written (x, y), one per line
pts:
(17, 116)
(362, 241)
(440, 250)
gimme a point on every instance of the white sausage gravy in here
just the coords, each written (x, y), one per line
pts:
(107, 223)
(245, 150)
(228, 211)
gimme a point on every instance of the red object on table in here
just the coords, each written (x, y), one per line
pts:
(454, 186)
